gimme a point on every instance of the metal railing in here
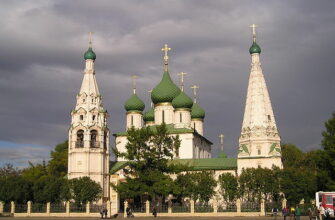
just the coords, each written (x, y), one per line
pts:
(79, 144)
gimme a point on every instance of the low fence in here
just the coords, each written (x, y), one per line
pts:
(198, 209)
(65, 209)
(189, 208)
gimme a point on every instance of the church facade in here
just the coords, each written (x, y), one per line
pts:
(89, 147)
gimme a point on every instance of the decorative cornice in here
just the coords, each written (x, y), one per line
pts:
(163, 104)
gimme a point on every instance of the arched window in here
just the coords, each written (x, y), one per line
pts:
(132, 120)
(163, 116)
(94, 137)
(80, 138)
(105, 140)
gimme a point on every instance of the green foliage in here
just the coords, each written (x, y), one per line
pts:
(258, 183)
(298, 184)
(84, 190)
(197, 185)
(222, 155)
(58, 164)
(228, 187)
(148, 173)
(291, 156)
(15, 188)
(328, 143)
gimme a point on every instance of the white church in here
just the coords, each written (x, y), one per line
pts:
(89, 135)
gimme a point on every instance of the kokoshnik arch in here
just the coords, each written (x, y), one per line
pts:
(89, 153)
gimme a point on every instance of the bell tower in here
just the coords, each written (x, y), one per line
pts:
(88, 133)
(259, 142)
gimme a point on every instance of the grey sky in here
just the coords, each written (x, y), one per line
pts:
(41, 63)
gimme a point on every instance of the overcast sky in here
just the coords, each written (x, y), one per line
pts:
(41, 64)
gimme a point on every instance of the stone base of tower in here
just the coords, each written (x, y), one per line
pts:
(254, 162)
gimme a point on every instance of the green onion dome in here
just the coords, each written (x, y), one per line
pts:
(197, 112)
(165, 91)
(182, 101)
(134, 104)
(89, 54)
(149, 115)
(254, 48)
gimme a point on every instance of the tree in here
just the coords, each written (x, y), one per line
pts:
(149, 151)
(15, 188)
(59, 160)
(328, 143)
(228, 187)
(84, 190)
(197, 185)
(9, 170)
(260, 183)
(291, 156)
(297, 184)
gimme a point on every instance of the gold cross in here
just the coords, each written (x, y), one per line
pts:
(90, 39)
(134, 77)
(253, 26)
(166, 49)
(195, 92)
(182, 74)
(221, 136)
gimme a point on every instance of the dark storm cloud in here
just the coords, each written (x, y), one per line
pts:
(41, 63)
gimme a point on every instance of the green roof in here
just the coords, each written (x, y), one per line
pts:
(117, 165)
(149, 115)
(170, 130)
(165, 91)
(134, 103)
(195, 164)
(182, 101)
(255, 48)
(89, 54)
(197, 111)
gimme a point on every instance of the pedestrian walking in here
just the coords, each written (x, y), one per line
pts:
(322, 212)
(154, 212)
(297, 213)
(292, 213)
(285, 212)
(275, 212)
(105, 212)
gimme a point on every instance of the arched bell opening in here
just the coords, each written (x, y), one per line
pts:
(94, 139)
(80, 139)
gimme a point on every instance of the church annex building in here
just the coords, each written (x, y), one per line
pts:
(89, 135)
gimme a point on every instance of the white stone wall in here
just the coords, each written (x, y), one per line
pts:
(182, 118)
(198, 124)
(134, 119)
(120, 143)
(253, 162)
(168, 110)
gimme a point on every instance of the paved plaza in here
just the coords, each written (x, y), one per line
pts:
(160, 218)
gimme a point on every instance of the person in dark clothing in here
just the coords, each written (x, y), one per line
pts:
(105, 212)
(102, 213)
(154, 212)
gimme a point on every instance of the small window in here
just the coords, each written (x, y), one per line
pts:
(132, 120)
(269, 117)
(81, 117)
(259, 151)
(181, 117)
(83, 100)
(92, 100)
(163, 116)
(93, 117)
(329, 199)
